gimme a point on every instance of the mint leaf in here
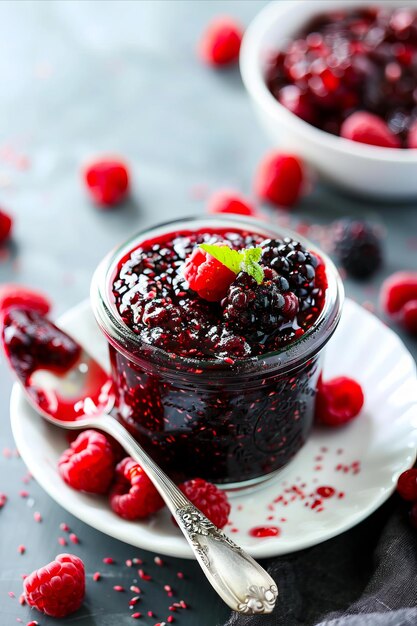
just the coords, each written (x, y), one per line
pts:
(246, 260)
(228, 257)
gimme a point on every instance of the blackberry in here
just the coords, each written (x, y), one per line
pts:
(259, 309)
(357, 246)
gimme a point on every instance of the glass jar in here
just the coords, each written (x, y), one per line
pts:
(232, 424)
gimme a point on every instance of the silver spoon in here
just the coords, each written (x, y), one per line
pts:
(83, 396)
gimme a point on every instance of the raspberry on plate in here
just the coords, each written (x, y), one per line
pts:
(17, 296)
(107, 181)
(407, 485)
(338, 401)
(370, 129)
(209, 499)
(229, 202)
(57, 589)
(220, 43)
(207, 276)
(6, 225)
(88, 465)
(279, 179)
(357, 246)
(133, 495)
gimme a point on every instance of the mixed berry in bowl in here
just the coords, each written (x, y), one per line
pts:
(352, 71)
(215, 329)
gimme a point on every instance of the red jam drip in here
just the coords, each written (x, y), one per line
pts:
(342, 61)
(325, 492)
(265, 531)
(33, 345)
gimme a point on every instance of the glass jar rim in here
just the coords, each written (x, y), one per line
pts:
(126, 341)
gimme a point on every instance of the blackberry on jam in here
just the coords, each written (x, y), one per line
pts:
(259, 309)
(357, 247)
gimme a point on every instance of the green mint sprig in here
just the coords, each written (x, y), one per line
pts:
(246, 260)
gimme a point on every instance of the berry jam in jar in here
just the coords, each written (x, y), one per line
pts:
(216, 328)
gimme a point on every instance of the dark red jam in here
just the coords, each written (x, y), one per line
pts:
(154, 300)
(34, 344)
(349, 60)
(210, 419)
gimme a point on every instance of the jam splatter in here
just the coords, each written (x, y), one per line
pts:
(265, 531)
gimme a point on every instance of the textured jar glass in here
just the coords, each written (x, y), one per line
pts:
(233, 424)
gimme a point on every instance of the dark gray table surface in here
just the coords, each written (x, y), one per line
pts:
(81, 78)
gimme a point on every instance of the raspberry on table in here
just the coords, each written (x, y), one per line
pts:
(107, 181)
(6, 225)
(229, 202)
(407, 485)
(211, 501)
(207, 276)
(368, 128)
(397, 290)
(279, 179)
(338, 401)
(357, 246)
(57, 589)
(88, 465)
(409, 316)
(220, 42)
(133, 495)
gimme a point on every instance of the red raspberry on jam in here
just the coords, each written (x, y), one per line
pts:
(17, 296)
(220, 43)
(6, 224)
(229, 202)
(207, 276)
(338, 401)
(57, 589)
(368, 128)
(133, 495)
(107, 181)
(88, 465)
(407, 485)
(279, 179)
(211, 501)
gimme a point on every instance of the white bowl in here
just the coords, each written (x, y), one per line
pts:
(360, 168)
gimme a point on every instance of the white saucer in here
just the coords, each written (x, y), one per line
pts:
(362, 461)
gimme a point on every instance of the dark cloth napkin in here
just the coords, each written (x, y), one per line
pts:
(365, 577)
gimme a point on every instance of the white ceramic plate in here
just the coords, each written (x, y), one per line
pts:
(360, 462)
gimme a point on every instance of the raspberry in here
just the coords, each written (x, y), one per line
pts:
(88, 465)
(207, 276)
(279, 179)
(220, 43)
(412, 136)
(133, 496)
(370, 129)
(229, 202)
(407, 485)
(397, 290)
(107, 181)
(6, 224)
(20, 297)
(357, 246)
(409, 316)
(209, 499)
(257, 308)
(338, 401)
(57, 589)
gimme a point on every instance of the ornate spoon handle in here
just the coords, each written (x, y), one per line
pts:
(242, 583)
